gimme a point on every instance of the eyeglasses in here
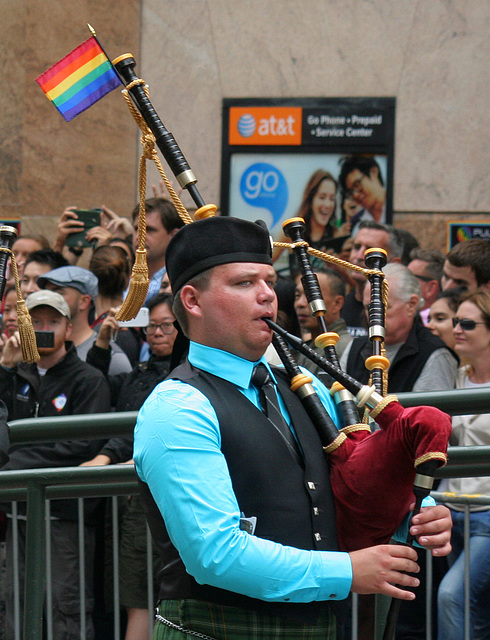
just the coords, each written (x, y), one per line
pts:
(165, 327)
(356, 187)
(466, 324)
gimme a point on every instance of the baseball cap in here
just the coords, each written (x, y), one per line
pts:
(46, 298)
(81, 279)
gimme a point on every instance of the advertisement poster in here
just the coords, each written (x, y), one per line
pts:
(272, 149)
(461, 230)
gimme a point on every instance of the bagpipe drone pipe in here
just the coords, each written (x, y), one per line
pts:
(374, 474)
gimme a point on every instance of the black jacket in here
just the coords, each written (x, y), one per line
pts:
(128, 392)
(4, 434)
(70, 387)
(408, 362)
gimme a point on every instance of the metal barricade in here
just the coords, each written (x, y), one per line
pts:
(467, 501)
(38, 485)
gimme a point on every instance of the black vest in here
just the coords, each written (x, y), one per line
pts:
(293, 502)
(408, 363)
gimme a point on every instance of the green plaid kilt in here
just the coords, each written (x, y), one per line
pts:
(231, 623)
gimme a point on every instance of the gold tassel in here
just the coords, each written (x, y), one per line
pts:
(26, 330)
(138, 288)
(140, 281)
(26, 333)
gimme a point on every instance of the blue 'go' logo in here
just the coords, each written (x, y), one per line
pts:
(263, 185)
(246, 125)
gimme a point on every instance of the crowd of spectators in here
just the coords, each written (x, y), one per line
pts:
(437, 304)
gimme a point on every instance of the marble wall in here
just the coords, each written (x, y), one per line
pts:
(46, 163)
(431, 55)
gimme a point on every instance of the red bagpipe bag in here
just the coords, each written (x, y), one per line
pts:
(372, 474)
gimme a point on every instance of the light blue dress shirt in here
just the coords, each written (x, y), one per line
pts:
(177, 453)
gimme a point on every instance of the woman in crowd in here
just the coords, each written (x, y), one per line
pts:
(472, 338)
(317, 209)
(37, 264)
(9, 316)
(352, 214)
(9, 312)
(441, 314)
(22, 248)
(112, 267)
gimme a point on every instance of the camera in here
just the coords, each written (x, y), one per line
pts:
(90, 218)
(44, 339)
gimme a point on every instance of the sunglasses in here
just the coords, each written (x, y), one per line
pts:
(424, 278)
(465, 323)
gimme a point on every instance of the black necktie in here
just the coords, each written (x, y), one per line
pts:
(270, 406)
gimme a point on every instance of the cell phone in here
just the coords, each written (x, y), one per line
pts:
(90, 218)
(141, 320)
(44, 339)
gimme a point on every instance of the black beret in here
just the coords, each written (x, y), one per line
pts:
(203, 244)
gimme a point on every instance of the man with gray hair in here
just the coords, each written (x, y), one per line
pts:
(419, 360)
(371, 235)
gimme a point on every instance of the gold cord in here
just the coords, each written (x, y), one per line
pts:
(326, 257)
(140, 280)
(24, 321)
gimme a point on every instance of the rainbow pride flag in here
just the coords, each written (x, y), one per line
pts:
(80, 79)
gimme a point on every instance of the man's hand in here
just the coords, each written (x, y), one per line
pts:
(67, 223)
(432, 529)
(100, 460)
(12, 351)
(161, 191)
(118, 226)
(3, 341)
(378, 569)
(108, 328)
(100, 234)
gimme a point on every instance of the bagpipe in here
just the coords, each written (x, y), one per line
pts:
(373, 473)
(8, 235)
(397, 460)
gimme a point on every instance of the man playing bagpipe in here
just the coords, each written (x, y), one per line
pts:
(239, 501)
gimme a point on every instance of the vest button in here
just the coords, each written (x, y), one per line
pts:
(316, 511)
(318, 537)
(311, 485)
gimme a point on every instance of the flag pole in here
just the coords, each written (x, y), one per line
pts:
(92, 31)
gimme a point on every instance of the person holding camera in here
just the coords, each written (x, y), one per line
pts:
(59, 384)
(79, 287)
(78, 229)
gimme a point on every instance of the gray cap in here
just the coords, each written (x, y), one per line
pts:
(45, 298)
(81, 279)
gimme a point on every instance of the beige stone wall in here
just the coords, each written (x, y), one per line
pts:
(432, 55)
(47, 164)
